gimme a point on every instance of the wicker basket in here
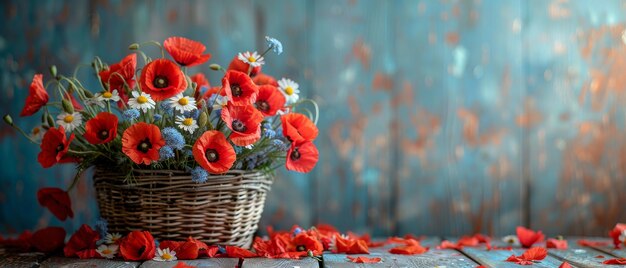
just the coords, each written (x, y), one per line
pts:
(225, 210)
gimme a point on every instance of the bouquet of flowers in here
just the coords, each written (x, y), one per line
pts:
(156, 116)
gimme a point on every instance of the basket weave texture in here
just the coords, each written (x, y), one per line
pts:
(224, 210)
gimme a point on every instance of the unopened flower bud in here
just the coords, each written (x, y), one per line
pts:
(203, 119)
(67, 106)
(133, 46)
(215, 67)
(53, 71)
(44, 126)
(87, 93)
(8, 119)
(50, 120)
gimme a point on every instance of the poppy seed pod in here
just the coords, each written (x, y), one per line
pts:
(67, 106)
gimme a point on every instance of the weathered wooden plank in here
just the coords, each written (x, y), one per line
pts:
(54, 262)
(579, 256)
(279, 263)
(574, 60)
(212, 262)
(459, 86)
(497, 258)
(20, 260)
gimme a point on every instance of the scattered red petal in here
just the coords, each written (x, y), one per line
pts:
(237, 252)
(528, 237)
(565, 265)
(350, 246)
(599, 257)
(362, 259)
(556, 243)
(445, 244)
(535, 254)
(183, 265)
(620, 261)
(48, 239)
(590, 243)
(411, 247)
(616, 232)
(83, 239)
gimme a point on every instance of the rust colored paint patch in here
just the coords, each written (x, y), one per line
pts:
(452, 38)
(362, 52)
(471, 130)
(382, 81)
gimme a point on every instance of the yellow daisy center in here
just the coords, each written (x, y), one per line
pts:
(251, 59)
(68, 118)
(142, 99)
(289, 91)
(107, 94)
(166, 256)
(106, 251)
(183, 101)
(188, 122)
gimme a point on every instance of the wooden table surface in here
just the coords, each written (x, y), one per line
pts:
(577, 256)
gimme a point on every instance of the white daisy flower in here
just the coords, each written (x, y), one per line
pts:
(249, 147)
(289, 88)
(141, 101)
(251, 58)
(165, 255)
(622, 236)
(187, 123)
(102, 97)
(37, 133)
(511, 239)
(183, 103)
(107, 251)
(70, 121)
(220, 102)
(112, 238)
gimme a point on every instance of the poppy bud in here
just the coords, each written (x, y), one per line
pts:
(44, 126)
(50, 120)
(133, 46)
(202, 119)
(53, 71)
(67, 106)
(215, 67)
(87, 93)
(8, 119)
(310, 253)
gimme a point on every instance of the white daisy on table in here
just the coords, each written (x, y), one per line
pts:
(70, 121)
(112, 238)
(141, 101)
(187, 123)
(289, 88)
(182, 103)
(102, 97)
(107, 251)
(37, 133)
(251, 58)
(511, 239)
(220, 102)
(165, 255)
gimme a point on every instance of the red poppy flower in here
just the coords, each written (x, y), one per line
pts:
(237, 252)
(54, 146)
(37, 96)
(302, 157)
(238, 65)
(81, 242)
(565, 265)
(213, 152)
(528, 237)
(101, 129)
(298, 127)
(556, 243)
(141, 143)
(616, 232)
(363, 259)
(137, 246)
(57, 201)
(264, 79)
(203, 248)
(201, 81)
(305, 242)
(187, 250)
(619, 261)
(239, 88)
(48, 239)
(245, 123)
(21, 243)
(120, 75)
(185, 51)
(162, 79)
(269, 100)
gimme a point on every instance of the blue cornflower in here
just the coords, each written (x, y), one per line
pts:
(251, 162)
(173, 138)
(167, 107)
(238, 149)
(238, 165)
(158, 117)
(166, 152)
(131, 114)
(297, 231)
(156, 243)
(102, 227)
(193, 114)
(279, 145)
(199, 175)
(269, 133)
(221, 249)
(267, 125)
(274, 44)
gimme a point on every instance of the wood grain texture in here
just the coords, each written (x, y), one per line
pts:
(497, 258)
(279, 263)
(579, 256)
(21, 260)
(212, 262)
(54, 262)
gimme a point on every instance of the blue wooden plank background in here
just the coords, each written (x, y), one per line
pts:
(438, 117)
